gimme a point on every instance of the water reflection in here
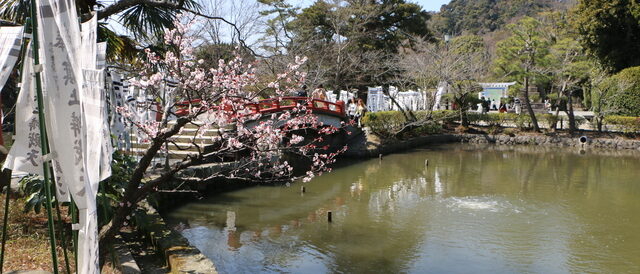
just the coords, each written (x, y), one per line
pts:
(474, 209)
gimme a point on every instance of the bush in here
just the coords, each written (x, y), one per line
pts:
(626, 83)
(523, 121)
(627, 124)
(384, 123)
(510, 131)
(446, 116)
(429, 128)
(110, 191)
(550, 119)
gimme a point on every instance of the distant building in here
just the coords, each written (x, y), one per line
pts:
(495, 91)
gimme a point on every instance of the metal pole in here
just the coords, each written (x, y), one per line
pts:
(44, 145)
(63, 238)
(7, 172)
(5, 220)
(74, 233)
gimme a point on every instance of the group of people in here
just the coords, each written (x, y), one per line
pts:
(355, 108)
(318, 93)
(486, 105)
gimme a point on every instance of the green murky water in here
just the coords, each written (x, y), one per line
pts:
(472, 210)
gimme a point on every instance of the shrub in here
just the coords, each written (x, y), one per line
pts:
(523, 121)
(429, 128)
(510, 131)
(551, 120)
(627, 124)
(493, 130)
(626, 102)
(384, 123)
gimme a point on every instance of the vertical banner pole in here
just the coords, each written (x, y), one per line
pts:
(5, 223)
(43, 134)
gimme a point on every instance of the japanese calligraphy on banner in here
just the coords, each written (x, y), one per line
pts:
(117, 98)
(25, 154)
(60, 38)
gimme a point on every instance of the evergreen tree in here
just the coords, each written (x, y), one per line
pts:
(610, 31)
(523, 56)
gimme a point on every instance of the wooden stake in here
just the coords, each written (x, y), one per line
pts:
(303, 189)
(426, 162)
(329, 216)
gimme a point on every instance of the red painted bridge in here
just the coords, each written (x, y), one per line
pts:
(274, 105)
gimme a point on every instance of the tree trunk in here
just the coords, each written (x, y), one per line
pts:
(599, 123)
(572, 118)
(527, 103)
(464, 120)
(132, 192)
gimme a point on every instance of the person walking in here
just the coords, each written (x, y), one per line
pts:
(319, 93)
(303, 92)
(360, 110)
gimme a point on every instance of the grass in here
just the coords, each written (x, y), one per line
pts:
(27, 246)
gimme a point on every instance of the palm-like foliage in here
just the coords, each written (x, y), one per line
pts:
(16, 11)
(145, 19)
(151, 18)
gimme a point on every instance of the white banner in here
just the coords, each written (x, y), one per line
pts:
(89, 47)
(10, 41)
(102, 55)
(97, 152)
(61, 39)
(117, 99)
(25, 154)
(93, 120)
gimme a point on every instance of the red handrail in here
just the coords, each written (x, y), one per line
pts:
(273, 105)
(288, 103)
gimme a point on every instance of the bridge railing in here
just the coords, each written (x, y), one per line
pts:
(273, 105)
(288, 103)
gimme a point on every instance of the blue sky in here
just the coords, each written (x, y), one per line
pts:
(429, 5)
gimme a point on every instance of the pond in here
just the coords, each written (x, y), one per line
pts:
(473, 209)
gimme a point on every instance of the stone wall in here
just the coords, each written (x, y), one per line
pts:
(608, 143)
(370, 149)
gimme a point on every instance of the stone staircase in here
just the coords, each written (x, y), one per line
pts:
(183, 142)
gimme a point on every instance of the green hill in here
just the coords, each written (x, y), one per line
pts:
(484, 16)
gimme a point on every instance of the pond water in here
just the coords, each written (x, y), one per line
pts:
(474, 209)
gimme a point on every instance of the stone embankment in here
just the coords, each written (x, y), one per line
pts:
(608, 143)
(368, 146)
(180, 256)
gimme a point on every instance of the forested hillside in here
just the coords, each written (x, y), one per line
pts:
(483, 16)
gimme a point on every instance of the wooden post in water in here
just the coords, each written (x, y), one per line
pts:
(426, 162)
(329, 216)
(380, 156)
(303, 189)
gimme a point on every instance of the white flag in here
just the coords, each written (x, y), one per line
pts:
(60, 40)
(10, 41)
(25, 154)
(93, 121)
(102, 55)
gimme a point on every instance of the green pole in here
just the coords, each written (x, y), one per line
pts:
(7, 172)
(63, 238)
(5, 219)
(74, 233)
(44, 145)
